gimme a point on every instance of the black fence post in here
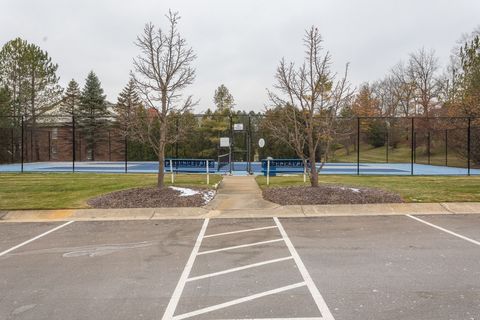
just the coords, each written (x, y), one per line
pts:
(126, 151)
(358, 146)
(231, 144)
(23, 146)
(49, 145)
(414, 147)
(109, 147)
(446, 147)
(176, 140)
(249, 145)
(388, 142)
(412, 151)
(428, 141)
(12, 146)
(468, 144)
(73, 144)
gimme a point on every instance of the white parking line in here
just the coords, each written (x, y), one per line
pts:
(35, 238)
(444, 230)
(321, 304)
(239, 231)
(253, 265)
(303, 318)
(240, 246)
(172, 305)
(237, 301)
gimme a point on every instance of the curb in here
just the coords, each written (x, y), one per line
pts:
(304, 211)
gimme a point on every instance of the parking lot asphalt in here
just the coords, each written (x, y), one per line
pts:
(380, 267)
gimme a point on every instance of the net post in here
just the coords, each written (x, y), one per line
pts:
(208, 174)
(268, 172)
(468, 145)
(171, 171)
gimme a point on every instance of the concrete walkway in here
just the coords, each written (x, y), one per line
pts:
(239, 193)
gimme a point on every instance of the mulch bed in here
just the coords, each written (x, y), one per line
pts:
(149, 198)
(329, 194)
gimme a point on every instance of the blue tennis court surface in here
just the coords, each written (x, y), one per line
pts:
(238, 168)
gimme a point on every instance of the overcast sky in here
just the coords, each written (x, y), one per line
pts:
(238, 43)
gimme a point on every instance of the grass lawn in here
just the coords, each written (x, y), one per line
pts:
(412, 189)
(72, 190)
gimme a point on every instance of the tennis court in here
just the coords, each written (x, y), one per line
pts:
(238, 168)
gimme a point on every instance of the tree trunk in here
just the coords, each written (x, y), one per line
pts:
(311, 155)
(161, 153)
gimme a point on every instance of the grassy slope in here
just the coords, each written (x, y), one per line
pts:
(67, 190)
(399, 155)
(412, 189)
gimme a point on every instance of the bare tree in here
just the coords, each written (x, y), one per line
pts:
(162, 71)
(402, 87)
(422, 69)
(309, 98)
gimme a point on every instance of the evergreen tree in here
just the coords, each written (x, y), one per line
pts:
(127, 105)
(30, 76)
(71, 99)
(223, 99)
(92, 113)
(5, 103)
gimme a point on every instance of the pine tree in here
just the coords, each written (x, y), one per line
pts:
(127, 105)
(30, 75)
(223, 99)
(71, 99)
(92, 113)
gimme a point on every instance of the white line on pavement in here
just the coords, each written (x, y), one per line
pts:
(240, 246)
(35, 238)
(238, 231)
(444, 230)
(321, 304)
(172, 304)
(253, 265)
(237, 301)
(302, 318)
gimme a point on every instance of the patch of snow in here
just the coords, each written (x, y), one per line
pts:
(185, 192)
(352, 189)
(208, 196)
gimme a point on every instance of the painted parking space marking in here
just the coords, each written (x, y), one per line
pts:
(444, 230)
(240, 246)
(307, 283)
(248, 266)
(321, 304)
(172, 305)
(239, 231)
(240, 300)
(35, 238)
